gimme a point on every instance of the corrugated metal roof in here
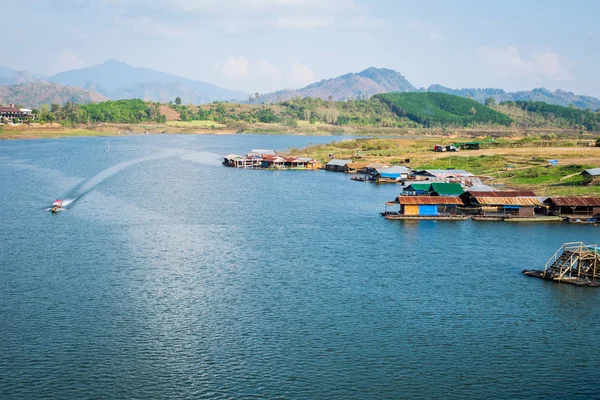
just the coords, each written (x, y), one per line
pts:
(480, 187)
(262, 152)
(593, 171)
(306, 159)
(397, 169)
(232, 156)
(433, 200)
(357, 165)
(447, 189)
(444, 173)
(425, 187)
(509, 201)
(575, 201)
(502, 193)
(338, 163)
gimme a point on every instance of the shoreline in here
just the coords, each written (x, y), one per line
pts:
(49, 131)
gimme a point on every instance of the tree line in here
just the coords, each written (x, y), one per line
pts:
(117, 111)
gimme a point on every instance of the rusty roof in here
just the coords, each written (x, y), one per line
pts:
(503, 193)
(433, 200)
(509, 201)
(9, 109)
(575, 201)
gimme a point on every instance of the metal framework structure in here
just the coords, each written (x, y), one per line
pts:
(574, 261)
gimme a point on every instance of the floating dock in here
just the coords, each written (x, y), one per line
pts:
(574, 263)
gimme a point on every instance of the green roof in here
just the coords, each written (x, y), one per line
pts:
(425, 187)
(447, 189)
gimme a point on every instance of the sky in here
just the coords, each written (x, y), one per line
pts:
(266, 45)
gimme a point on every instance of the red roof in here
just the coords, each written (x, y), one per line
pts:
(575, 201)
(10, 109)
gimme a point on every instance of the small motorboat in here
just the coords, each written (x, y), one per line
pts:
(57, 206)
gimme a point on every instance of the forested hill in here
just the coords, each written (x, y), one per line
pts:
(551, 114)
(37, 93)
(366, 83)
(558, 97)
(440, 109)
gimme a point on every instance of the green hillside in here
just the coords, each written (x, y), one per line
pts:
(440, 109)
(570, 117)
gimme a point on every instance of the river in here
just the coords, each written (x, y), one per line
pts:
(171, 276)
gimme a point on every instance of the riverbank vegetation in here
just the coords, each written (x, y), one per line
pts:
(392, 113)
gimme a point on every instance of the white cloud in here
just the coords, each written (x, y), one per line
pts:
(302, 74)
(234, 67)
(425, 29)
(67, 61)
(362, 21)
(507, 61)
(304, 22)
(265, 69)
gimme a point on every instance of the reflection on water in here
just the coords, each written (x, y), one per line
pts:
(176, 277)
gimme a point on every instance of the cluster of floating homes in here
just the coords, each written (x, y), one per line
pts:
(443, 200)
(268, 159)
(442, 194)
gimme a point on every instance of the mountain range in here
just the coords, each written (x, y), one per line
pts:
(116, 80)
(369, 82)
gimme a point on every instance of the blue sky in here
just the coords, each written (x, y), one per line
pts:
(265, 45)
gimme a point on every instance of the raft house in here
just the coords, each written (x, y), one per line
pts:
(574, 209)
(268, 159)
(337, 165)
(393, 174)
(509, 206)
(433, 189)
(425, 207)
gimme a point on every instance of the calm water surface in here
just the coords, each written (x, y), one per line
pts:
(171, 276)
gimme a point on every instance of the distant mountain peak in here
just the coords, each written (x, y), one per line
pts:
(353, 85)
(118, 80)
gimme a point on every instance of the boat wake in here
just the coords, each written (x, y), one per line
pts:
(80, 190)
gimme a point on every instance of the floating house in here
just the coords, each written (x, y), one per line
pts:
(441, 174)
(573, 206)
(434, 189)
(501, 204)
(260, 153)
(417, 189)
(355, 167)
(392, 174)
(373, 167)
(591, 175)
(337, 165)
(446, 189)
(237, 161)
(273, 161)
(424, 207)
(308, 163)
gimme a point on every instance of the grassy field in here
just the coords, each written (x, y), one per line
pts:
(520, 165)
